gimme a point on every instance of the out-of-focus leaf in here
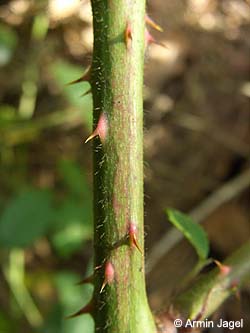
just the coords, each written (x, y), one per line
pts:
(80, 324)
(192, 231)
(73, 298)
(54, 321)
(8, 41)
(73, 224)
(6, 325)
(74, 178)
(70, 239)
(70, 299)
(7, 115)
(73, 212)
(40, 26)
(26, 218)
(63, 73)
(70, 296)
(73, 217)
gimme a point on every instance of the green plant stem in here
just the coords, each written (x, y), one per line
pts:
(212, 289)
(117, 83)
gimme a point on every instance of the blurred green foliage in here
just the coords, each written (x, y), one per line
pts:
(26, 218)
(44, 227)
(63, 73)
(8, 42)
(73, 216)
(71, 300)
(67, 222)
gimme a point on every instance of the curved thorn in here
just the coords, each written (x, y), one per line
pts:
(132, 236)
(128, 34)
(85, 77)
(92, 136)
(150, 39)
(103, 286)
(88, 279)
(224, 269)
(135, 243)
(86, 92)
(86, 309)
(109, 274)
(101, 129)
(152, 23)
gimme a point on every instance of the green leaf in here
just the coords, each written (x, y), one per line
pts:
(6, 324)
(7, 115)
(70, 299)
(73, 226)
(70, 239)
(192, 231)
(8, 42)
(74, 178)
(73, 298)
(73, 217)
(26, 218)
(73, 212)
(63, 73)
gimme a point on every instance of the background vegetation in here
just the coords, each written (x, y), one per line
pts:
(197, 141)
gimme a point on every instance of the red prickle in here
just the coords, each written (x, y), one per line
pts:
(132, 236)
(101, 129)
(109, 275)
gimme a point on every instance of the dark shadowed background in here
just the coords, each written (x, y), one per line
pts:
(197, 145)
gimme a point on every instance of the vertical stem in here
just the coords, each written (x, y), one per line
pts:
(117, 82)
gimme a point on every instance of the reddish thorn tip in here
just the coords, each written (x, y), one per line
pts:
(224, 269)
(92, 136)
(132, 236)
(109, 274)
(128, 34)
(154, 25)
(149, 39)
(101, 129)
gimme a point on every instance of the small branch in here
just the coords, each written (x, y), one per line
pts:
(225, 193)
(212, 289)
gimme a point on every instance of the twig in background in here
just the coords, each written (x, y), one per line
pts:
(225, 193)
